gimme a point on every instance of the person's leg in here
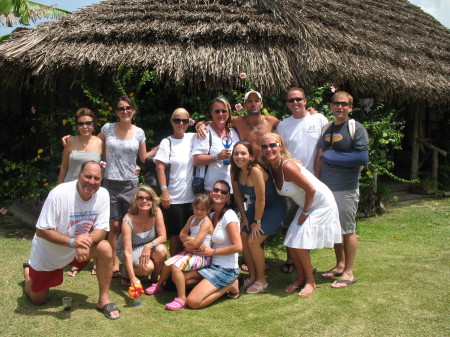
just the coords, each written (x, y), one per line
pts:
(295, 255)
(192, 277)
(113, 235)
(164, 276)
(180, 282)
(39, 297)
(256, 250)
(350, 247)
(248, 258)
(206, 293)
(158, 256)
(291, 210)
(310, 284)
(102, 251)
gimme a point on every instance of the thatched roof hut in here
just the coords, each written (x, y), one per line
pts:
(384, 48)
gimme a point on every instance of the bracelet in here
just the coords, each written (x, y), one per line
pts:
(214, 253)
(163, 187)
(258, 222)
(306, 212)
(154, 244)
(215, 158)
(71, 242)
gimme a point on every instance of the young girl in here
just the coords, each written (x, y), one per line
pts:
(196, 234)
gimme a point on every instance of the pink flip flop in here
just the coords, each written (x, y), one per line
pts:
(153, 289)
(176, 304)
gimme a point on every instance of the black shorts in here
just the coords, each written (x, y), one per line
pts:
(176, 217)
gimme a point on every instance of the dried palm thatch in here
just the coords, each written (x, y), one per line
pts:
(386, 48)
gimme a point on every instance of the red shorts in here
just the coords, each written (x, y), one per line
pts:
(42, 280)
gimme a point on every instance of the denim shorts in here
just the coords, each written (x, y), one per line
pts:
(218, 276)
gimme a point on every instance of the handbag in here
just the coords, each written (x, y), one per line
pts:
(198, 183)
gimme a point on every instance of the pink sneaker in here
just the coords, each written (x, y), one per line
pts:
(176, 304)
(153, 289)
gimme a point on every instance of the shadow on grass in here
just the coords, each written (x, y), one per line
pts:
(53, 307)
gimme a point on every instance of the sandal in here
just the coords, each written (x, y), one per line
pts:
(247, 283)
(306, 292)
(107, 309)
(330, 274)
(116, 274)
(153, 289)
(176, 304)
(73, 272)
(256, 288)
(287, 268)
(292, 288)
(94, 271)
(124, 281)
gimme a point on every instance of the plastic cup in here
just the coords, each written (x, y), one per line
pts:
(138, 301)
(67, 303)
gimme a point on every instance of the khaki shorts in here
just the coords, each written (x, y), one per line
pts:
(347, 203)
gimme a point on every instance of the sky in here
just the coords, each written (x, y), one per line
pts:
(439, 9)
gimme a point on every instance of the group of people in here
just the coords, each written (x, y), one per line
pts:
(305, 174)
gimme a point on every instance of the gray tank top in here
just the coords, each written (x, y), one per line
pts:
(76, 159)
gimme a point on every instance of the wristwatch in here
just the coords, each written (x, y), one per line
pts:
(258, 222)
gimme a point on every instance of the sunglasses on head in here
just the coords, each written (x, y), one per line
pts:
(181, 120)
(140, 197)
(85, 123)
(295, 99)
(123, 108)
(220, 111)
(271, 145)
(344, 104)
(217, 190)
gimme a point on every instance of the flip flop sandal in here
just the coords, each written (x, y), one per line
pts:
(287, 268)
(304, 291)
(257, 287)
(153, 289)
(346, 282)
(176, 304)
(124, 281)
(331, 272)
(107, 309)
(292, 288)
(72, 271)
(115, 274)
(247, 283)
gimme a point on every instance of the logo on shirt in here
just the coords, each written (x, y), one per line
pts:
(336, 137)
(82, 223)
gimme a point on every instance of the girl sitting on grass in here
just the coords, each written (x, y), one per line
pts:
(196, 234)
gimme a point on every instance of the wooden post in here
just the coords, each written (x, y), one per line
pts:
(415, 144)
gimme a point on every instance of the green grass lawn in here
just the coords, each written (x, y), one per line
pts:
(403, 277)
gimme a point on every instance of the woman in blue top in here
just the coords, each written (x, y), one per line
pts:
(263, 216)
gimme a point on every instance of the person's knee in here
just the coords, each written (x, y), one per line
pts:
(102, 250)
(38, 298)
(192, 302)
(160, 253)
(114, 227)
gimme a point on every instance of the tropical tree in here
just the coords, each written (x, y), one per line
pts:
(22, 11)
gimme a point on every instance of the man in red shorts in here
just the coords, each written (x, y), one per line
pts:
(71, 230)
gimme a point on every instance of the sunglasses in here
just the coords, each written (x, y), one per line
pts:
(217, 190)
(296, 99)
(140, 197)
(85, 123)
(185, 121)
(123, 108)
(344, 104)
(220, 111)
(271, 145)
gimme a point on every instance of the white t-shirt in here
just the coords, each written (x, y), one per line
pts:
(301, 137)
(221, 239)
(216, 170)
(181, 169)
(65, 212)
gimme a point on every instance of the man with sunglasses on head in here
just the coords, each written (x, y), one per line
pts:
(71, 230)
(301, 133)
(343, 151)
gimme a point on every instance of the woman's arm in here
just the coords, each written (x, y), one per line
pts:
(128, 250)
(161, 173)
(259, 184)
(143, 154)
(205, 228)
(293, 174)
(160, 228)
(239, 202)
(65, 161)
(102, 138)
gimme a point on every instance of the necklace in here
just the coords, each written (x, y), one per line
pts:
(255, 127)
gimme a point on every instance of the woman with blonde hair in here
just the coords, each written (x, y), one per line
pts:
(316, 223)
(140, 245)
(175, 152)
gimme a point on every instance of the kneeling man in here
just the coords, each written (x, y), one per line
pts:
(71, 230)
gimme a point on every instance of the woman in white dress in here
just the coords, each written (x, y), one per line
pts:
(316, 224)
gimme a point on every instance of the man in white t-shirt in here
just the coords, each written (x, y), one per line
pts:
(71, 230)
(300, 132)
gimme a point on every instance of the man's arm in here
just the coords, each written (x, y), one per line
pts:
(51, 235)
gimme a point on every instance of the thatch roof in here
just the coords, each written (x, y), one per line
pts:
(384, 48)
